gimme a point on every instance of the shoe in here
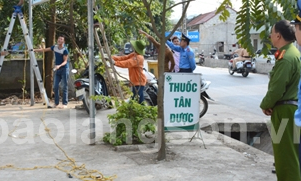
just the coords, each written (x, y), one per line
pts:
(274, 170)
(54, 106)
(63, 107)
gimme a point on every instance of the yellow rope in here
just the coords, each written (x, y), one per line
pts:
(68, 166)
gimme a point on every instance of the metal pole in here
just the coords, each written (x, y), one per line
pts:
(31, 66)
(91, 71)
(184, 29)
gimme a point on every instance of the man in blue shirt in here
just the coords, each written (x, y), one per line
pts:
(297, 23)
(61, 70)
(187, 62)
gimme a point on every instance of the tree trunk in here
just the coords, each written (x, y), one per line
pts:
(50, 40)
(161, 135)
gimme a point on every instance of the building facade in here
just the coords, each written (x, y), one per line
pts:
(214, 33)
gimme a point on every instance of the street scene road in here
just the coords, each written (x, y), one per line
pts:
(37, 158)
(236, 91)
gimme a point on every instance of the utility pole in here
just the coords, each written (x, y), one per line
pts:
(31, 65)
(184, 22)
(91, 70)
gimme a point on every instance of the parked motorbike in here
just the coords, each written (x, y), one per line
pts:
(151, 90)
(82, 89)
(214, 54)
(228, 56)
(243, 67)
(201, 58)
(204, 96)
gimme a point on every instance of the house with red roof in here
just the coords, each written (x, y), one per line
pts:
(213, 33)
(216, 34)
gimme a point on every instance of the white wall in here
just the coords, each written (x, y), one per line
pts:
(214, 31)
(259, 44)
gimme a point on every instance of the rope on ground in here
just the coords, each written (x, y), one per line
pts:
(10, 134)
(68, 166)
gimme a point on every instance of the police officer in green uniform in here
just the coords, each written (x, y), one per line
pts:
(280, 102)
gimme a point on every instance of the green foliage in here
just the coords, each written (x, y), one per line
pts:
(258, 15)
(125, 123)
(121, 18)
(222, 9)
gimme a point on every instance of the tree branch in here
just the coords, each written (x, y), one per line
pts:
(188, 1)
(21, 2)
(147, 5)
(180, 21)
(57, 24)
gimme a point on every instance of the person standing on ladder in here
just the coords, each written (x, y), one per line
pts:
(61, 70)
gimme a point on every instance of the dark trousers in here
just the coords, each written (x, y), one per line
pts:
(185, 70)
(61, 74)
(140, 93)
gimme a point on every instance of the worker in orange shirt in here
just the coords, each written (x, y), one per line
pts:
(134, 62)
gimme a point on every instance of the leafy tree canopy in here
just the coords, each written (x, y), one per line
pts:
(122, 19)
(257, 14)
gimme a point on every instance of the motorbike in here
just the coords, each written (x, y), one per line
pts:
(82, 89)
(243, 67)
(214, 54)
(204, 96)
(151, 90)
(228, 56)
(201, 58)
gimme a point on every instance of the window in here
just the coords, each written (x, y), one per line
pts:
(220, 46)
(255, 44)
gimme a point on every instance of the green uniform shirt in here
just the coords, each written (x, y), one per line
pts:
(284, 78)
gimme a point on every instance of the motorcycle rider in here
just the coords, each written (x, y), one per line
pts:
(242, 56)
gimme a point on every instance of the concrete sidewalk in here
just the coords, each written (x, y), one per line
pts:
(25, 144)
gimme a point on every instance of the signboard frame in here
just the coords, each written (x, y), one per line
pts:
(181, 103)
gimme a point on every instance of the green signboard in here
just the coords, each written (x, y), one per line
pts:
(181, 101)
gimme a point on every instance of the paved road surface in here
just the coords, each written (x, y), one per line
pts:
(236, 91)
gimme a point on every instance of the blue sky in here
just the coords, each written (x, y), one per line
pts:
(201, 6)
